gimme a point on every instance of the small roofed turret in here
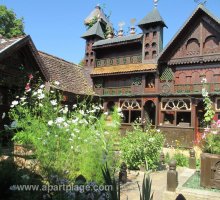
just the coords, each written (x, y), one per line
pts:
(95, 30)
(152, 18)
(97, 13)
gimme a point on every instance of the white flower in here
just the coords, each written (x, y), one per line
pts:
(204, 92)
(59, 120)
(3, 115)
(70, 139)
(74, 106)
(48, 133)
(75, 120)
(65, 110)
(50, 123)
(39, 91)
(119, 109)
(71, 147)
(76, 130)
(23, 98)
(65, 124)
(41, 96)
(17, 97)
(82, 112)
(53, 102)
(14, 103)
(72, 134)
(34, 94)
(204, 80)
(105, 113)
(52, 91)
(42, 86)
(158, 130)
(57, 83)
(40, 105)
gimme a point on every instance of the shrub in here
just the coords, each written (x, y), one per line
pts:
(181, 159)
(67, 140)
(138, 147)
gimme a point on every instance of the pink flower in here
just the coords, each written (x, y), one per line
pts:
(204, 136)
(30, 76)
(207, 129)
(27, 87)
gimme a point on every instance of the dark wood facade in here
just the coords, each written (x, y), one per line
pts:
(162, 86)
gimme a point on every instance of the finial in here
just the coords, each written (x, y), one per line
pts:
(156, 3)
(121, 32)
(132, 30)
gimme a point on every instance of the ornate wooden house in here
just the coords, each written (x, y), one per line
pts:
(161, 86)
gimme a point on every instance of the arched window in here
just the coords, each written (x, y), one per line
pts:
(154, 45)
(154, 54)
(147, 55)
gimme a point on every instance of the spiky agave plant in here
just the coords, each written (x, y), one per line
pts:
(145, 194)
(115, 192)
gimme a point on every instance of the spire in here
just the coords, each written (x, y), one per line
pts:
(97, 13)
(95, 30)
(152, 17)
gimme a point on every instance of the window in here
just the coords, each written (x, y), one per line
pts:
(217, 104)
(147, 46)
(146, 55)
(154, 45)
(150, 80)
(176, 112)
(91, 62)
(147, 35)
(154, 33)
(131, 109)
(154, 54)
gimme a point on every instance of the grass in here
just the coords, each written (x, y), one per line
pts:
(194, 183)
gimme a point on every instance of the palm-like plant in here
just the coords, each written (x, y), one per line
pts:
(145, 194)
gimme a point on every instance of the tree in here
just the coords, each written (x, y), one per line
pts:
(10, 25)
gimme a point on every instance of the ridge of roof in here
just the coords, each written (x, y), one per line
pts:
(199, 7)
(117, 40)
(152, 17)
(96, 29)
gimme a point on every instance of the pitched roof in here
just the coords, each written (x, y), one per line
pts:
(152, 17)
(70, 76)
(199, 9)
(119, 69)
(9, 46)
(6, 43)
(96, 29)
(123, 39)
(97, 13)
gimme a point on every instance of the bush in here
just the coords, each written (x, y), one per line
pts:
(67, 140)
(181, 159)
(139, 147)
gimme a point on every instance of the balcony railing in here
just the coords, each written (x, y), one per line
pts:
(117, 91)
(133, 59)
(196, 88)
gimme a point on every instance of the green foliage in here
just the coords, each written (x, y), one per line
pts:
(181, 159)
(12, 175)
(115, 192)
(65, 143)
(146, 189)
(10, 25)
(212, 143)
(140, 147)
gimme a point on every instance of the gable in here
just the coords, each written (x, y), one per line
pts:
(198, 41)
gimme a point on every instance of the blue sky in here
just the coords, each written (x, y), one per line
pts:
(56, 26)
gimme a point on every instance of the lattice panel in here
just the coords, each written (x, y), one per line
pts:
(176, 104)
(130, 105)
(167, 75)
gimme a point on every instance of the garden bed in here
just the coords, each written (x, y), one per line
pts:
(194, 183)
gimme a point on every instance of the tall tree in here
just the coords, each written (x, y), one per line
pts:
(10, 25)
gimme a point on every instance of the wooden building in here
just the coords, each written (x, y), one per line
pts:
(159, 85)
(19, 58)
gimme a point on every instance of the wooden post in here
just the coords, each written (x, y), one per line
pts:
(192, 159)
(162, 162)
(123, 173)
(172, 177)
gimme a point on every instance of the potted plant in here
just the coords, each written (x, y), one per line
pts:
(210, 158)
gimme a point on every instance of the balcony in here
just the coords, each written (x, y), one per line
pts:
(196, 88)
(116, 91)
(123, 60)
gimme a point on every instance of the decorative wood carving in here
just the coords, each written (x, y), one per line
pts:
(200, 45)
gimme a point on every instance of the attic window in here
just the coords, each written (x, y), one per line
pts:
(154, 33)
(147, 46)
(154, 44)
(154, 54)
(146, 55)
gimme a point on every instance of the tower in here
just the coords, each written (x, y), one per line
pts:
(152, 26)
